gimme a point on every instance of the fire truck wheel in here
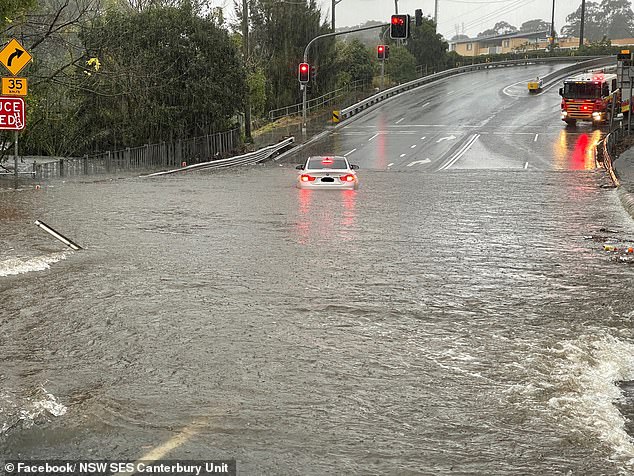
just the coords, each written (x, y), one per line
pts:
(571, 122)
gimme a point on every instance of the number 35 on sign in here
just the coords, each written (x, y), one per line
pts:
(14, 87)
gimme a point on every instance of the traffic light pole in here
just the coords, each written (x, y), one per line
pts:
(303, 87)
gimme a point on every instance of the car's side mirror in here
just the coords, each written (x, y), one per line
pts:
(300, 167)
(354, 167)
(561, 92)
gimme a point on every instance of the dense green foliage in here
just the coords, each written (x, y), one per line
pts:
(278, 34)
(164, 74)
(428, 47)
(354, 63)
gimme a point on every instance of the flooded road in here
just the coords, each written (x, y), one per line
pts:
(466, 322)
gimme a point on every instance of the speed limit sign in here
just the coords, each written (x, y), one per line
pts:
(14, 86)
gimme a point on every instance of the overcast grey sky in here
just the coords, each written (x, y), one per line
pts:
(477, 15)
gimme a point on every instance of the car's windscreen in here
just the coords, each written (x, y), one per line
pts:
(582, 90)
(327, 163)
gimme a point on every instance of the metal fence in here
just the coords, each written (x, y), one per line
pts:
(151, 156)
(319, 102)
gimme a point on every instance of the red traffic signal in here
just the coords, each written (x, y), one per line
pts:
(399, 27)
(382, 52)
(303, 73)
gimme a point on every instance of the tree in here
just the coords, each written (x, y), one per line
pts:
(459, 37)
(592, 27)
(617, 18)
(14, 10)
(500, 28)
(534, 26)
(353, 62)
(401, 66)
(428, 47)
(165, 74)
(279, 32)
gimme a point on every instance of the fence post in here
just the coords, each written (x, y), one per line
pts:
(85, 160)
(128, 159)
(61, 167)
(108, 162)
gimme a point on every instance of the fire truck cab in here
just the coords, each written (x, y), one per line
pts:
(588, 97)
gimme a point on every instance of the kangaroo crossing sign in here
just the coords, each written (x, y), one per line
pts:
(14, 57)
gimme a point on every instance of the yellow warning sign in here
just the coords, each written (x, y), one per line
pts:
(14, 57)
(14, 87)
(336, 116)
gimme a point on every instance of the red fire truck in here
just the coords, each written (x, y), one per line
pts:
(588, 97)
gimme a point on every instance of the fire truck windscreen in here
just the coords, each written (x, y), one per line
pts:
(582, 90)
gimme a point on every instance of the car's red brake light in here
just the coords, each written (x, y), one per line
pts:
(306, 178)
(327, 161)
(347, 178)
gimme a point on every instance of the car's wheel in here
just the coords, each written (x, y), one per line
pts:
(570, 122)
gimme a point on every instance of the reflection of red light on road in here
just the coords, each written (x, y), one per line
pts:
(582, 155)
(349, 213)
(304, 200)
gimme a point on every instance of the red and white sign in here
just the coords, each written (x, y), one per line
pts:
(12, 114)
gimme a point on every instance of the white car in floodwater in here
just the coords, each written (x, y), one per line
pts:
(327, 172)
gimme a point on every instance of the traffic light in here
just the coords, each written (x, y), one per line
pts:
(386, 51)
(419, 17)
(313, 73)
(399, 27)
(303, 73)
(380, 52)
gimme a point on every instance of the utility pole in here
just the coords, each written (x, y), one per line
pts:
(245, 53)
(583, 20)
(334, 4)
(552, 29)
(396, 7)
(436, 13)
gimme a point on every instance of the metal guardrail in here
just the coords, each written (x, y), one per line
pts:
(246, 159)
(585, 62)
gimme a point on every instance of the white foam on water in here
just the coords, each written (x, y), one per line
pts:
(578, 388)
(16, 266)
(41, 404)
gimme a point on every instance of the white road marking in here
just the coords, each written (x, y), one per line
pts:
(426, 104)
(412, 146)
(348, 153)
(525, 165)
(536, 136)
(399, 121)
(375, 135)
(450, 92)
(424, 161)
(423, 138)
(160, 451)
(402, 155)
(511, 85)
(451, 137)
(453, 159)
(390, 164)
